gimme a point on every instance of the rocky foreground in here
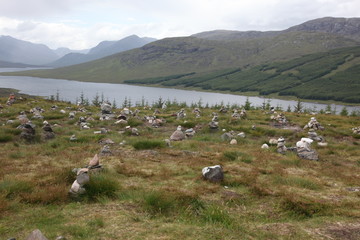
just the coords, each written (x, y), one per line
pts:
(169, 171)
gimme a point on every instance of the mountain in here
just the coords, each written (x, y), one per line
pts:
(183, 55)
(63, 51)
(103, 49)
(347, 27)
(18, 51)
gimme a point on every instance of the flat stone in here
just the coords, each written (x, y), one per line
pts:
(94, 161)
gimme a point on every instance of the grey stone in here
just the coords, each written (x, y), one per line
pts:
(308, 155)
(213, 173)
(83, 178)
(105, 108)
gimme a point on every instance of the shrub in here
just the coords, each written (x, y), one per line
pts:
(101, 185)
(5, 138)
(158, 203)
(148, 144)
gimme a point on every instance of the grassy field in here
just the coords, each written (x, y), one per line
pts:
(151, 191)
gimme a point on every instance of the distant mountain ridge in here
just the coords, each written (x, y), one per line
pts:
(103, 49)
(19, 51)
(347, 27)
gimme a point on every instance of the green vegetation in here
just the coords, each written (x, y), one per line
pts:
(160, 193)
(332, 75)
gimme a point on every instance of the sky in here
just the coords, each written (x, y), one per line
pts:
(82, 24)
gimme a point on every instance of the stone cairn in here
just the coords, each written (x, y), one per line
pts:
(27, 131)
(181, 114)
(314, 124)
(48, 132)
(214, 124)
(223, 109)
(213, 173)
(281, 148)
(11, 99)
(83, 177)
(279, 120)
(178, 135)
(197, 112)
(304, 151)
(106, 111)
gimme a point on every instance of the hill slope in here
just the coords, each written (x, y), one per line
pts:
(103, 49)
(333, 75)
(189, 54)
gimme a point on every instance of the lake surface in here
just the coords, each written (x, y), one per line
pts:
(71, 91)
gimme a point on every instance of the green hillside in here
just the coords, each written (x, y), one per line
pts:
(174, 56)
(333, 75)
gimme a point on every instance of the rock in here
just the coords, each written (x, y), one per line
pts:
(28, 132)
(213, 173)
(106, 141)
(82, 178)
(189, 132)
(168, 142)
(308, 155)
(265, 146)
(273, 141)
(178, 135)
(94, 161)
(322, 144)
(233, 142)
(73, 138)
(242, 135)
(76, 188)
(121, 121)
(106, 108)
(213, 125)
(36, 235)
(60, 238)
(227, 136)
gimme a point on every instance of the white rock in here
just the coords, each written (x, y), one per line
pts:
(265, 146)
(233, 142)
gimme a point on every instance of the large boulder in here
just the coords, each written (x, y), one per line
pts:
(213, 173)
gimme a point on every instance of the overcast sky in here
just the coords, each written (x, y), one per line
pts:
(81, 24)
